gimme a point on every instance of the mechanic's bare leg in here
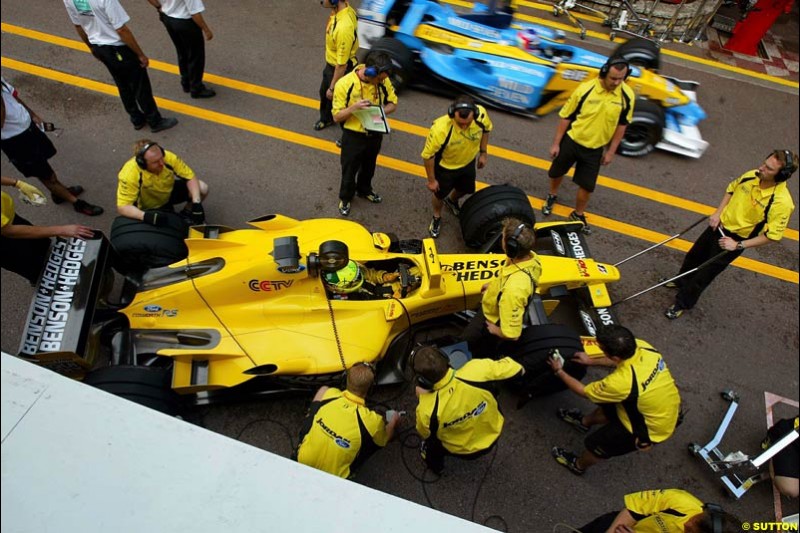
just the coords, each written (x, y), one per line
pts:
(596, 417)
(437, 206)
(582, 200)
(587, 460)
(555, 183)
(788, 486)
(58, 189)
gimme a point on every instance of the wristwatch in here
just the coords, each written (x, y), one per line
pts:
(740, 245)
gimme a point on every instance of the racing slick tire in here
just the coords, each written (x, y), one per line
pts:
(402, 58)
(139, 245)
(147, 386)
(532, 350)
(644, 131)
(483, 213)
(640, 52)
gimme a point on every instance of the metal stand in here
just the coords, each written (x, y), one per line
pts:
(564, 7)
(628, 21)
(732, 468)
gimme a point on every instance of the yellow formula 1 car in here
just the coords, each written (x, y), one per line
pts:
(248, 309)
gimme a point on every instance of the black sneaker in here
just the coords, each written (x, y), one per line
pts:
(567, 459)
(205, 92)
(321, 125)
(435, 227)
(372, 196)
(76, 190)
(573, 417)
(452, 206)
(139, 125)
(586, 230)
(344, 208)
(673, 312)
(547, 208)
(338, 143)
(669, 284)
(163, 124)
(85, 208)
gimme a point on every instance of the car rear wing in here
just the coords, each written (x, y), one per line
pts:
(58, 327)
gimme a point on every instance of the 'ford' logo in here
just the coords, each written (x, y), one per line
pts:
(342, 442)
(152, 308)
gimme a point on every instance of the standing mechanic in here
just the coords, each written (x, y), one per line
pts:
(29, 149)
(457, 412)
(593, 122)
(671, 510)
(340, 432)
(505, 298)
(25, 246)
(455, 141)
(341, 46)
(154, 180)
(754, 211)
(102, 25)
(639, 404)
(187, 28)
(368, 85)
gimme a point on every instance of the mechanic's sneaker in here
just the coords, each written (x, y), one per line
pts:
(452, 206)
(372, 196)
(573, 417)
(567, 459)
(344, 208)
(338, 143)
(75, 190)
(85, 208)
(547, 208)
(435, 227)
(164, 124)
(586, 230)
(669, 284)
(673, 312)
(322, 124)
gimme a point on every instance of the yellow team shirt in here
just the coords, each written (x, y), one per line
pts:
(662, 511)
(745, 210)
(506, 296)
(595, 113)
(462, 146)
(643, 388)
(146, 190)
(341, 39)
(335, 440)
(350, 89)
(7, 210)
(468, 418)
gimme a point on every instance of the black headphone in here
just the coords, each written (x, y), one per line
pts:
(615, 62)
(374, 71)
(513, 247)
(715, 513)
(422, 381)
(140, 160)
(456, 107)
(789, 166)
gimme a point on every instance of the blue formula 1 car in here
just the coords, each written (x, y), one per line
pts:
(525, 68)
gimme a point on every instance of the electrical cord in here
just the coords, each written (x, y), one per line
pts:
(285, 429)
(562, 525)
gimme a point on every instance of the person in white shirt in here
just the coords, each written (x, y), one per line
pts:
(187, 28)
(102, 25)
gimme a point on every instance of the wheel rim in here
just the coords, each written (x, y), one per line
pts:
(637, 136)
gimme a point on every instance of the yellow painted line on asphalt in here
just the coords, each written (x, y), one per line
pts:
(384, 161)
(397, 125)
(569, 28)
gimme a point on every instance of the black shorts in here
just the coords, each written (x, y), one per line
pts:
(25, 257)
(612, 439)
(180, 193)
(586, 161)
(787, 462)
(461, 179)
(29, 152)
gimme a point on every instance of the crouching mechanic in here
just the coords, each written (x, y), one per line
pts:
(153, 181)
(359, 282)
(340, 432)
(505, 298)
(670, 510)
(457, 412)
(639, 403)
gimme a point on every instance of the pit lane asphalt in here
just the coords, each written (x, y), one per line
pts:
(743, 334)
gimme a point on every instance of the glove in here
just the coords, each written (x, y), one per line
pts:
(155, 217)
(194, 214)
(30, 194)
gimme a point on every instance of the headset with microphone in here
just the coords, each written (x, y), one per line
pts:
(514, 248)
(374, 71)
(715, 513)
(615, 62)
(789, 167)
(456, 107)
(140, 160)
(421, 380)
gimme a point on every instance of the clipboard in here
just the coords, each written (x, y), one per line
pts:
(373, 118)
